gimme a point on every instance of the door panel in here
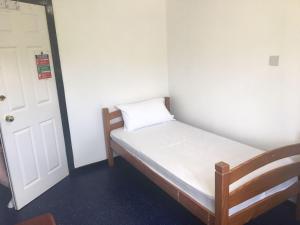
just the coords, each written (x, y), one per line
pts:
(30, 23)
(41, 87)
(27, 156)
(34, 141)
(50, 144)
(5, 23)
(13, 84)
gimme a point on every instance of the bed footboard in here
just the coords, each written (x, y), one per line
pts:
(224, 177)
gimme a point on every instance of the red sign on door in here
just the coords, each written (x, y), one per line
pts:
(43, 66)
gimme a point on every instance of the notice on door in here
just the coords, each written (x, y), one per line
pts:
(43, 66)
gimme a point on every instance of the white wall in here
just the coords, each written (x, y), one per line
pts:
(115, 51)
(112, 51)
(219, 75)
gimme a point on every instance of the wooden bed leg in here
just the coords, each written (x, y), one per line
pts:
(298, 205)
(106, 125)
(110, 158)
(298, 209)
(222, 194)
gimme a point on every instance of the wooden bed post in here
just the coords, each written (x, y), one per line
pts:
(168, 103)
(106, 124)
(222, 193)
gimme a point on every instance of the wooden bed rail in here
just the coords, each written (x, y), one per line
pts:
(224, 177)
(262, 160)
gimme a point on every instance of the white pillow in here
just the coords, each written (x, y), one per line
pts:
(143, 114)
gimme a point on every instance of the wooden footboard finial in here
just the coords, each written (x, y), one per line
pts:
(222, 193)
(106, 125)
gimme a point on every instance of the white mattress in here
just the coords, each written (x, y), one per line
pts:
(186, 156)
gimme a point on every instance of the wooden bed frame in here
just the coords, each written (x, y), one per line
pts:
(224, 176)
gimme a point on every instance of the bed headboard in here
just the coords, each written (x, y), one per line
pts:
(109, 117)
(109, 124)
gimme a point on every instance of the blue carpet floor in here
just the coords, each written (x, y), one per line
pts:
(98, 195)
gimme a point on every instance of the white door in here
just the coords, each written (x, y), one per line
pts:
(34, 142)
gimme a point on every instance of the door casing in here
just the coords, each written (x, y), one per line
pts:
(58, 74)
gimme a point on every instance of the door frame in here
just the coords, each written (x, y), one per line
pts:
(58, 75)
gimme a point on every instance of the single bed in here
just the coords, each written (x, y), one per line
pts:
(185, 162)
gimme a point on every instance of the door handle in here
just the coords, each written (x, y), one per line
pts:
(9, 118)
